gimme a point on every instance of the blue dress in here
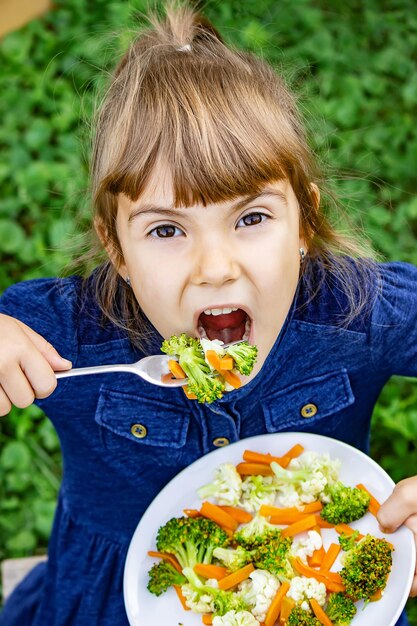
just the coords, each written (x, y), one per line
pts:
(110, 475)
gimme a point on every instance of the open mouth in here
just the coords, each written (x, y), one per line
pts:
(226, 324)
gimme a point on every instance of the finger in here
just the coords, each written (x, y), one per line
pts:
(38, 373)
(55, 360)
(399, 506)
(17, 388)
(5, 404)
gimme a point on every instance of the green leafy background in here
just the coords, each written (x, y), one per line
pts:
(353, 66)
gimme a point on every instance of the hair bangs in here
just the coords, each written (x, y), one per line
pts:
(220, 135)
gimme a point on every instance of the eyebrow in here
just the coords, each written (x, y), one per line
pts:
(171, 211)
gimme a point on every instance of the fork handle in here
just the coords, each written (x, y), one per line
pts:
(95, 369)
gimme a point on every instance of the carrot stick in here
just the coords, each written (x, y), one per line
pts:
(167, 378)
(167, 557)
(257, 457)
(295, 451)
(210, 570)
(345, 529)
(241, 516)
(189, 394)
(226, 362)
(319, 613)
(181, 597)
(288, 519)
(176, 369)
(330, 556)
(306, 523)
(286, 608)
(275, 606)
(207, 618)
(323, 524)
(332, 580)
(312, 507)
(257, 469)
(191, 512)
(213, 359)
(236, 577)
(215, 513)
(374, 504)
(231, 378)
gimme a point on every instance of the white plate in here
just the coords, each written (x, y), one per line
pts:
(144, 609)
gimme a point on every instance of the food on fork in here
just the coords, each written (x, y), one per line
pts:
(211, 366)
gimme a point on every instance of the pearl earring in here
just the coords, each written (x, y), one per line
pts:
(302, 255)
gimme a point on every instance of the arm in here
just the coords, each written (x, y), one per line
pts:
(27, 365)
(401, 508)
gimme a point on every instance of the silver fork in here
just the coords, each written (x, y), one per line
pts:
(150, 368)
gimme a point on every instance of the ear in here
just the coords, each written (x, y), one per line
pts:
(113, 251)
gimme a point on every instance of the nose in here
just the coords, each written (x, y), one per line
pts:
(215, 264)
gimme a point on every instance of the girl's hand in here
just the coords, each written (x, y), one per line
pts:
(401, 508)
(27, 365)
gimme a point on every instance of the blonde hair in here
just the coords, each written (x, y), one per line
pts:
(225, 123)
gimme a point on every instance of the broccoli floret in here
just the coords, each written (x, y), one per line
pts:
(244, 356)
(202, 382)
(256, 532)
(347, 542)
(273, 555)
(226, 486)
(270, 550)
(257, 490)
(299, 617)
(366, 567)
(162, 576)
(305, 478)
(346, 505)
(233, 558)
(191, 540)
(340, 609)
(217, 600)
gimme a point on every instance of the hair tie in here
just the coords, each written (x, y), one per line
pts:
(186, 48)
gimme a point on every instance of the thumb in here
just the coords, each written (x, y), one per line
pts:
(399, 506)
(55, 360)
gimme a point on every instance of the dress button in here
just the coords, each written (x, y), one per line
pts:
(139, 431)
(219, 442)
(309, 410)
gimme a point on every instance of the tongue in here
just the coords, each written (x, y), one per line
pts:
(227, 328)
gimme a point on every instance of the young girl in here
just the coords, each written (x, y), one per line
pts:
(207, 202)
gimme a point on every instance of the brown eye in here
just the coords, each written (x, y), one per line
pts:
(252, 219)
(165, 231)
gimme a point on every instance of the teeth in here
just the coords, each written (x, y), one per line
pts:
(223, 311)
(247, 331)
(202, 333)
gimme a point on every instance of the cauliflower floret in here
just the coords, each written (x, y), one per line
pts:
(302, 589)
(257, 490)
(305, 478)
(236, 618)
(226, 487)
(259, 591)
(306, 546)
(199, 603)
